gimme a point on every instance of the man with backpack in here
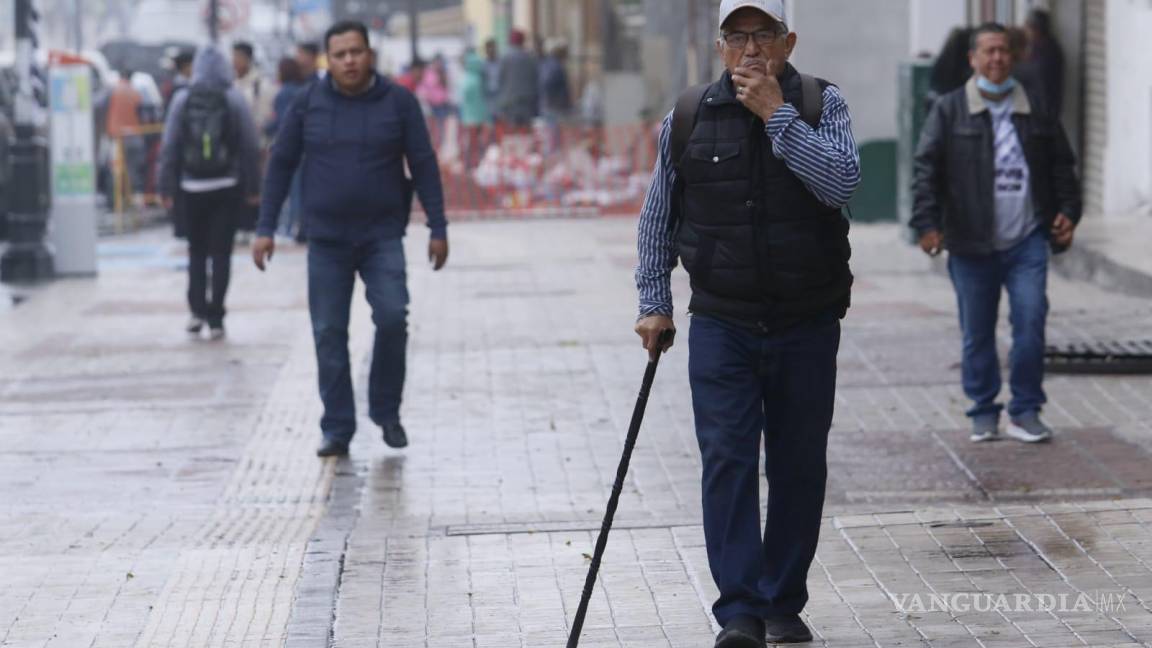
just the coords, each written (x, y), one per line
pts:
(351, 134)
(210, 157)
(753, 172)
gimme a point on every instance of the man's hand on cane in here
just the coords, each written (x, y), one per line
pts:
(651, 328)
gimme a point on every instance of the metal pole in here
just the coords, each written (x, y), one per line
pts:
(291, 20)
(27, 258)
(77, 26)
(213, 20)
(693, 45)
(414, 28)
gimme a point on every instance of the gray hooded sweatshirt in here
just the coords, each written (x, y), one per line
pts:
(211, 68)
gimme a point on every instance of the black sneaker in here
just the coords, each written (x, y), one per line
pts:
(787, 629)
(330, 448)
(742, 631)
(394, 435)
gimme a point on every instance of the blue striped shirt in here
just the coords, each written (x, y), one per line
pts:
(825, 159)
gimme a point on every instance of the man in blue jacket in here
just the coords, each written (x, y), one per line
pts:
(353, 131)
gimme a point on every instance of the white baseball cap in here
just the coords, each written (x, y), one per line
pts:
(774, 8)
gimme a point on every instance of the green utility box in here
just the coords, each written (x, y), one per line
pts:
(875, 200)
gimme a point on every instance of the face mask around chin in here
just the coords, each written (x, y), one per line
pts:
(1004, 87)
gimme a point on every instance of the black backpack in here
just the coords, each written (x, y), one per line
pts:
(207, 134)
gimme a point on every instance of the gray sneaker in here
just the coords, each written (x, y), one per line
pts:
(1029, 429)
(985, 428)
(194, 326)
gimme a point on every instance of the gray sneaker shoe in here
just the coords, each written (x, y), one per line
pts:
(985, 428)
(194, 326)
(1029, 429)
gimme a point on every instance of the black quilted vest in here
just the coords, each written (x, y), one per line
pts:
(760, 249)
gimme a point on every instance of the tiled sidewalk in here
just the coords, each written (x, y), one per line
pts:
(163, 493)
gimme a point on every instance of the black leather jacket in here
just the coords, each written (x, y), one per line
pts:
(953, 174)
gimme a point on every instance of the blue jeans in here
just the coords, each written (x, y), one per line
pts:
(779, 388)
(332, 269)
(978, 279)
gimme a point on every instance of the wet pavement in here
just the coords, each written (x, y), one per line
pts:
(163, 492)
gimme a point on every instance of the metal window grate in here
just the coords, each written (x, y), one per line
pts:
(1100, 357)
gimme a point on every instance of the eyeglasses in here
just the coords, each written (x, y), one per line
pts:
(739, 40)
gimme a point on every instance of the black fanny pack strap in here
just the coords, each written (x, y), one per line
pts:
(684, 120)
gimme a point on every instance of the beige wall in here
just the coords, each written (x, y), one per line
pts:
(481, 16)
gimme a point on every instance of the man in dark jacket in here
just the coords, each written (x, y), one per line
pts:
(752, 207)
(995, 183)
(519, 83)
(355, 130)
(210, 165)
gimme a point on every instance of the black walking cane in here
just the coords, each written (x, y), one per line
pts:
(614, 499)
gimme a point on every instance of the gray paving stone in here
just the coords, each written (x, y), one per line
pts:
(126, 449)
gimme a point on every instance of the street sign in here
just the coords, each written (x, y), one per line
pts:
(73, 155)
(73, 228)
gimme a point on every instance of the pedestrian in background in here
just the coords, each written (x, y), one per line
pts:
(748, 194)
(951, 69)
(492, 76)
(308, 57)
(182, 65)
(292, 83)
(474, 115)
(126, 106)
(210, 158)
(411, 78)
(555, 93)
(182, 77)
(1043, 67)
(432, 91)
(995, 184)
(258, 93)
(353, 134)
(519, 85)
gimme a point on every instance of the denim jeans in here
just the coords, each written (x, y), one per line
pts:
(780, 388)
(978, 279)
(332, 270)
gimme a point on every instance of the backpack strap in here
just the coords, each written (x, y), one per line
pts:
(812, 100)
(684, 120)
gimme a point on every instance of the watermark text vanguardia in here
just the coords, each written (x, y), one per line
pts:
(1101, 602)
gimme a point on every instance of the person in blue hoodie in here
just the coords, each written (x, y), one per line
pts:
(351, 133)
(210, 159)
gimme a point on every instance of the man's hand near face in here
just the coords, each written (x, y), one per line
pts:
(758, 90)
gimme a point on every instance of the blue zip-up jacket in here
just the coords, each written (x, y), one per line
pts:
(353, 149)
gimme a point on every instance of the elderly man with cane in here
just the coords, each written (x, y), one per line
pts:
(753, 172)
